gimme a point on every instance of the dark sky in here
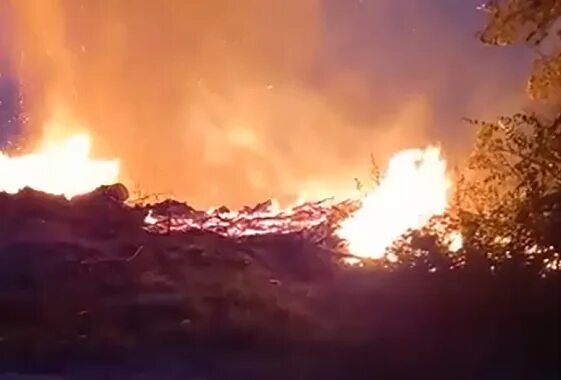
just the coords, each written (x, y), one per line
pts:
(427, 47)
(373, 59)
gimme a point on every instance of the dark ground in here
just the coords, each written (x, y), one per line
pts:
(85, 293)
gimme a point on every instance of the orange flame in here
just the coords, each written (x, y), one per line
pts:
(61, 168)
(414, 188)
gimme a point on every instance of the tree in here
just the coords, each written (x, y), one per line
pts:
(511, 199)
(533, 22)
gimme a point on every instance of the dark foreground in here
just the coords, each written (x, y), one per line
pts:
(376, 333)
(85, 293)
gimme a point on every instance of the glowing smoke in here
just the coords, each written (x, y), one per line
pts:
(219, 102)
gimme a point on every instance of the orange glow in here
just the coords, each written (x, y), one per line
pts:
(265, 218)
(414, 188)
(58, 167)
(210, 100)
(455, 241)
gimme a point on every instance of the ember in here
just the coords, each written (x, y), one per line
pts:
(264, 218)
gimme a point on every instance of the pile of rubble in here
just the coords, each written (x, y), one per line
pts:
(94, 269)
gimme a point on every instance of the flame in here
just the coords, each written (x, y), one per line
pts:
(455, 241)
(414, 188)
(62, 167)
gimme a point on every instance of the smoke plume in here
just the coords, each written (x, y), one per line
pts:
(213, 101)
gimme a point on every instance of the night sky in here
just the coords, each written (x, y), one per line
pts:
(374, 57)
(427, 47)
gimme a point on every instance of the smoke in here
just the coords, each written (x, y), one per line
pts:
(213, 101)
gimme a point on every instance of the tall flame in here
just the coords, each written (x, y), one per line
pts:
(413, 189)
(61, 167)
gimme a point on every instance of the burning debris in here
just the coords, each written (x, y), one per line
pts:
(263, 219)
(414, 188)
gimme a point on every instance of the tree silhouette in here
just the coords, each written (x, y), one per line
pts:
(533, 22)
(511, 196)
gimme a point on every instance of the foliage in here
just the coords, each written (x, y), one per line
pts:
(373, 180)
(510, 196)
(531, 22)
(512, 21)
(506, 205)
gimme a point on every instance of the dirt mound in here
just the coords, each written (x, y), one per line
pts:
(88, 276)
(87, 272)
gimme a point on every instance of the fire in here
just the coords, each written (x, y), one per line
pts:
(58, 167)
(263, 219)
(414, 188)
